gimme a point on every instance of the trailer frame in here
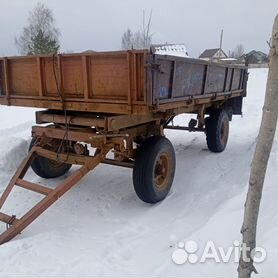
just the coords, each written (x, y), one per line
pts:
(150, 100)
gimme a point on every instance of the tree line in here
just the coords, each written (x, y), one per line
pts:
(41, 36)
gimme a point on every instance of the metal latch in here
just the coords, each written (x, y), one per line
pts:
(155, 67)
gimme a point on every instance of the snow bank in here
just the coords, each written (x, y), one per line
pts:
(12, 152)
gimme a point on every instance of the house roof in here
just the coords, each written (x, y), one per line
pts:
(209, 53)
(258, 54)
(170, 49)
(88, 51)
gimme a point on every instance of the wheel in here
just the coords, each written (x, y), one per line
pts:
(217, 130)
(154, 169)
(47, 168)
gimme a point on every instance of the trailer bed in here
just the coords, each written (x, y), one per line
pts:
(124, 82)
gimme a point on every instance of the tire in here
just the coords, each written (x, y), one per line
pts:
(154, 169)
(217, 130)
(47, 168)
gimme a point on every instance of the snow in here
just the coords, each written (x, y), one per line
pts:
(101, 229)
(178, 50)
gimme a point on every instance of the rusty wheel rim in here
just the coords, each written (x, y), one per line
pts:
(224, 132)
(162, 171)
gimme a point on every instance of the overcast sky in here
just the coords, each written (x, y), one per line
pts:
(98, 25)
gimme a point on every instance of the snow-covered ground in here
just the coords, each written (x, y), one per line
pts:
(101, 229)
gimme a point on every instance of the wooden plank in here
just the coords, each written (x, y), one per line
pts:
(109, 77)
(189, 102)
(48, 117)
(79, 106)
(60, 77)
(206, 97)
(70, 159)
(7, 218)
(146, 82)
(99, 53)
(33, 187)
(135, 94)
(129, 78)
(6, 79)
(127, 121)
(72, 135)
(68, 99)
(22, 169)
(109, 123)
(72, 77)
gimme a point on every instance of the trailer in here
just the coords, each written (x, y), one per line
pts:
(113, 107)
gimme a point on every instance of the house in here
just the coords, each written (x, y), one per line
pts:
(255, 58)
(213, 54)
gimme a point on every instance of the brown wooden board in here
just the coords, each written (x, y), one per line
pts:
(2, 88)
(121, 82)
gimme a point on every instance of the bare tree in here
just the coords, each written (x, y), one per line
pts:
(127, 40)
(260, 161)
(238, 52)
(147, 36)
(40, 36)
(140, 39)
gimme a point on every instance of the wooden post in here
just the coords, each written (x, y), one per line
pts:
(60, 77)
(6, 84)
(40, 79)
(129, 93)
(260, 160)
(85, 77)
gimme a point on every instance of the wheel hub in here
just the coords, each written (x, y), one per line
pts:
(161, 173)
(224, 132)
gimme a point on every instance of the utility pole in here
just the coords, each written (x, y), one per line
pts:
(220, 46)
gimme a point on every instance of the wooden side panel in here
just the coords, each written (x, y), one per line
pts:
(188, 79)
(72, 77)
(178, 79)
(96, 82)
(215, 79)
(108, 77)
(163, 83)
(23, 77)
(123, 82)
(49, 65)
(140, 78)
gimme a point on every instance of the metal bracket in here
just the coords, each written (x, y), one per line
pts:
(10, 222)
(155, 67)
